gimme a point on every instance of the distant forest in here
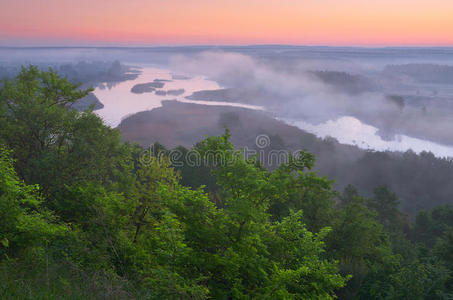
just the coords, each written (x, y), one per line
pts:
(421, 181)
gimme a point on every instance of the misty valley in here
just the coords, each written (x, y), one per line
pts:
(123, 174)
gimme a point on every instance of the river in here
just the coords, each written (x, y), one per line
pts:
(119, 102)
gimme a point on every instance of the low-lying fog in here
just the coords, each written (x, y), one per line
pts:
(383, 99)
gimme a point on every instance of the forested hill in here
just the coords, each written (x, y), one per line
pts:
(85, 216)
(421, 181)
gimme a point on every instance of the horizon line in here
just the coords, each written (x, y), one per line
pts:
(230, 45)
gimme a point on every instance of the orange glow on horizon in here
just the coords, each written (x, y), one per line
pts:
(149, 22)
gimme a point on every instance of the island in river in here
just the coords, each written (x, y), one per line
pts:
(148, 87)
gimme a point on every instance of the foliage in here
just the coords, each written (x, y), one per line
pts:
(85, 216)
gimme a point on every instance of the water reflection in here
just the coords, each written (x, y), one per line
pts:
(349, 130)
(119, 102)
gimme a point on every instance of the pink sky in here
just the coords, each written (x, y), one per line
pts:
(174, 22)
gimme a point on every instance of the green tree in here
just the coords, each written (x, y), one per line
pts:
(386, 203)
(254, 264)
(296, 188)
(53, 145)
(24, 223)
(362, 247)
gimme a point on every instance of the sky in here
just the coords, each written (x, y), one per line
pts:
(226, 22)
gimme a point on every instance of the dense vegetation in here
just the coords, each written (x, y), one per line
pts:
(421, 181)
(85, 216)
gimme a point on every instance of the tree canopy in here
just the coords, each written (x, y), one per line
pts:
(85, 216)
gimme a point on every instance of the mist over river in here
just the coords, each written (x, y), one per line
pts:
(119, 102)
(351, 131)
